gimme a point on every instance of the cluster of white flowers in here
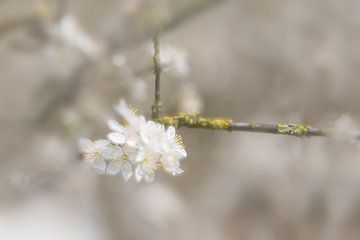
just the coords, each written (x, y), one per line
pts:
(138, 147)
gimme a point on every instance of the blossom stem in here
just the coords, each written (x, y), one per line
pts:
(156, 107)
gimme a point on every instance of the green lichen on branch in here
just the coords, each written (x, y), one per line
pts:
(196, 121)
(294, 129)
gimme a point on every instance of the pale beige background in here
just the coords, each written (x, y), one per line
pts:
(251, 60)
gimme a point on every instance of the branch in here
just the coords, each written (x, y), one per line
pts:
(156, 107)
(297, 130)
(291, 129)
(189, 12)
(196, 121)
(9, 25)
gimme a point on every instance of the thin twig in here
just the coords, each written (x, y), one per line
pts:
(156, 107)
(9, 25)
(180, 17)
(191, 11)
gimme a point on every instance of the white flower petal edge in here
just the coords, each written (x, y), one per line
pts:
(85, 145)
(115, 126)
(101, 143)
(127, 171)
(99, 165)
(113, 167)
(116, 138)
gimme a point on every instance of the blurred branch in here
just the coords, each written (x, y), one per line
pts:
(189, 12)
(183, 15)
(42, 11)
(65, 92)
(9, 25)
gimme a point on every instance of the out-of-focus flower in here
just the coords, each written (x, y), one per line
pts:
(342, 128)
(144, 146)
(68, 31)
(173, 59)
(119, 60)
(152, 13)
(189, 99)
(139, 90)
(71, 33)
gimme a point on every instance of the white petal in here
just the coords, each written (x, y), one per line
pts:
(151, 125)
(116, 137)
(138, 174)
(112, 152)
(177, 171)
(99, 166)
(149, 177)
(182, 152)
(132, 143)
(102, 143)
(85, 145)
(172, 166)
(126, 171)
(132, 157)
(142, 119)
(169, 164)
(160, 127)
(156, 126)
(114, 167)
(165, 146)
(124, 111)
(115, 126)
(179, 152)
(121, 106)
(145, 137)
(171, 132)
(140, 155)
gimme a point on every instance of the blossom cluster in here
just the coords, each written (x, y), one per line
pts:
(137, 147)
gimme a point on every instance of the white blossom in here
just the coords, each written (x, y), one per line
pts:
(137, 144)
(174, 151)
(146, 166)
(105, 158)
(123, 165)
(117, 161)
(93, 153)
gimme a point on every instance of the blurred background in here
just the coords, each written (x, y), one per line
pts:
(65, 63)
